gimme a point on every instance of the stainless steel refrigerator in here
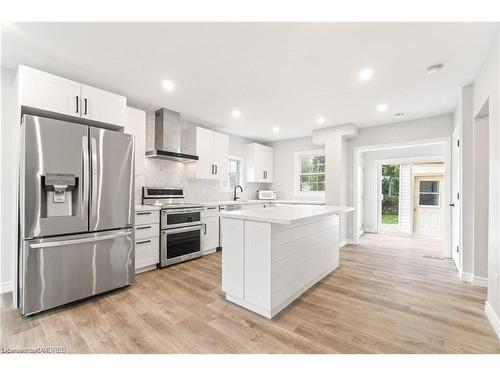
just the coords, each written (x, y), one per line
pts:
(76, 212)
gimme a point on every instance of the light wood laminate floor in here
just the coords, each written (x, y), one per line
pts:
(388, 296)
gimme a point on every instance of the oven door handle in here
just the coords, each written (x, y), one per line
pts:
(173, 212)
(183, 229)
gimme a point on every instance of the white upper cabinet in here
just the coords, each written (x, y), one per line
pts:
(221, 154)
(48, 92)
(212, 149)
(135, 125)
(103, 106)
(259, 163)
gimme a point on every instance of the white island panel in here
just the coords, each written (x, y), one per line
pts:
(233, 257)
(265, 265)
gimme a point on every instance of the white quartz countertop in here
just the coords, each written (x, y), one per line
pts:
(257, 201)
(291, 214)
(142, 207)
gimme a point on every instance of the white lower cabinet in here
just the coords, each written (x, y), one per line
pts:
(210, 229)
(147, 239)
(147, 253)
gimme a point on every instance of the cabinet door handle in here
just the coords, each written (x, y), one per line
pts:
(77, 101)
(141, 242)
(144, 213)
(138, 228)
(216, 168)
(85, 106)
(204, 228)
(212, 166)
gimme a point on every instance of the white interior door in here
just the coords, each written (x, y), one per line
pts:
(455, 197)
(429, 206)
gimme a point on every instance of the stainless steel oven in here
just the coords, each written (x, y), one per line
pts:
(180, 244)
(176, 218)
(180, 223)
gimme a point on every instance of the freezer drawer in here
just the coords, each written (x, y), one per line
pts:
(55, 271)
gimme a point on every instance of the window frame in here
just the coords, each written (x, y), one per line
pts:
(438, 193)
(226, 182)
(298, 172)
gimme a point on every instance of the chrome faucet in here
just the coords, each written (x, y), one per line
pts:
(235, 198)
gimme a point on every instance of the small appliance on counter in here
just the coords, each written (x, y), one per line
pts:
(266, 194)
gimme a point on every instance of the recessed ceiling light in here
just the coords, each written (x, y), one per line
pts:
(321, 120)
(365, 74)
(236, 114)
(168, 85)
(382, 107)
(276, 129)
(434, 68)
(399, 114)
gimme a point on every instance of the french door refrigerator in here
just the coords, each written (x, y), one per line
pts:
(76, 212)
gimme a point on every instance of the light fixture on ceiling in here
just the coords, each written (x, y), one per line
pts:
(365, 74)
(276, 129)
(435, 68)
(168, 85)
(399, 114)
(320, 120)
(382, 107)
(236, 114)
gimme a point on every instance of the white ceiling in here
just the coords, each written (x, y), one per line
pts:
(276, 74)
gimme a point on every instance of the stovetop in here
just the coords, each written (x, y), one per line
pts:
(177, 205)
(167, 198)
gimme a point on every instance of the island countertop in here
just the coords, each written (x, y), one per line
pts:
(292, 214)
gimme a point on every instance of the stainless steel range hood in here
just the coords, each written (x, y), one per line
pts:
(168, 129)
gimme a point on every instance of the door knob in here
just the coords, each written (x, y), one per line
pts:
(452, 204)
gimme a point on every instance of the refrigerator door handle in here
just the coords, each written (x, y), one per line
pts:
(85, 175)
(93, 193)
(101, 237)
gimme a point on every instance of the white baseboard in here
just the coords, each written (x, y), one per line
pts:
(348, 241)
(480, 281)
(492, 317)
(6, 287)
(467, 277)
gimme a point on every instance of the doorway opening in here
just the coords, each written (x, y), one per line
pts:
(389, 198)
(386, 178)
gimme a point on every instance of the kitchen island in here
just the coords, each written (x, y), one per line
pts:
(273, 255)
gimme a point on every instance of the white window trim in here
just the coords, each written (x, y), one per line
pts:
(298, 155)
(438, 193)
(225, 188)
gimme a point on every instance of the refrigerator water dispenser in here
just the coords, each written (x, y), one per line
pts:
(59, 194)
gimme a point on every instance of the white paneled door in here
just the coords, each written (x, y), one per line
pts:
(455, 199)
(429, 206)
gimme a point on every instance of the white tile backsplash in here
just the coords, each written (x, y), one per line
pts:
(166, 173)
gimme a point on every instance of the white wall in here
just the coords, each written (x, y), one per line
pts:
(9, 156)
(284, 166)
(487, 88)
(481, 198)
(407, 132)
(370, 183)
